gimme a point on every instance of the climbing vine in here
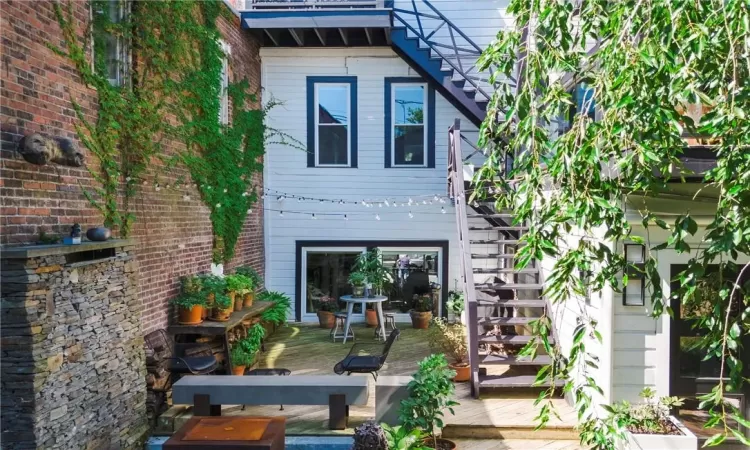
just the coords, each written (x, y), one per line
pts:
(170, 91)
(646, 64)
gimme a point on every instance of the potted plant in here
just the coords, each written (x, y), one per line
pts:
(237, 286)
(401, 438)
(325, 307)
(189, 308)
(650, 426)
(450, 339)
(371, 316)
(193, 285)
(455, 303)
(250, 345)
(430, 394)
(357, 280)
(377, 276)
(256, 281)
(241, 359)
(210, 285)
(421, 312)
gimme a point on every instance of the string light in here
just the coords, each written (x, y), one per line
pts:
(386, 203)
(346, 217)
(281, 213)
(442, 210)
(313, 216)
(411, 216)
(377, 216)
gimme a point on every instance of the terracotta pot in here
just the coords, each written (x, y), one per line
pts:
(236, 301)
(238, 370)
(221, 315)
(192, 316)
(445, 444)
(326, 319)
(247, 299)
(358, 291)
(420, 320)
(463, 372)
(371, 317)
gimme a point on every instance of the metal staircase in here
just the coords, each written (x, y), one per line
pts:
(442, 53)
(501, 301)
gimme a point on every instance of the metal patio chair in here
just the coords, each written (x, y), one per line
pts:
(366, 358)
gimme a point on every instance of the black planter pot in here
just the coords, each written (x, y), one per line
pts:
(98, 234)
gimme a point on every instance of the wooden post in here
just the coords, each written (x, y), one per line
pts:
(202, 406)
(338, 412)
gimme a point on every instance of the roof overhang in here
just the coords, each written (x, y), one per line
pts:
(323, 18)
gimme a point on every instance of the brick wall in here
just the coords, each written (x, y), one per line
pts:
(172, 226)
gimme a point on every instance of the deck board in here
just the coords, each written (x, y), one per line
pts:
(308, 350)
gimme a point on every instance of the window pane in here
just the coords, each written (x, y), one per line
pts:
(113, 58)
(408, 142)
(333, 104)
(333, 145)
(412, 273)
(408, 105)
(585, 97)
(634, 292)
(328, 276)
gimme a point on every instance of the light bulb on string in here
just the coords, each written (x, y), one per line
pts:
(410, 201)
(435, 198)
(377, 216)
(345, 217)
(281, 213)
(411, 216)
(386, 203)
(380, 205)
(424, 202)
(442, 210)
(313, 216)
(299, 199)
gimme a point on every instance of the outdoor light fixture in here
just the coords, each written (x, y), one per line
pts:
(634, 292)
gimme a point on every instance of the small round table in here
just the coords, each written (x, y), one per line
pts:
(350, 301)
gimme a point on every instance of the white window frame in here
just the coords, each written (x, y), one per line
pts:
(121, 57)
(224, 84)
(425, 112)
(308, 316)
(347, 88)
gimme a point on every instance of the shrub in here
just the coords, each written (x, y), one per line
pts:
(448, 338)
(369, 436)
(250, 273)
(277, 313)
(650, 417)
(401, 438)
(239, 283)
(241, 358)
(430, 393)
(357, 279)
(455, 303)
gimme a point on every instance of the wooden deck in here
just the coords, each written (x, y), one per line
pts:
(308, 350)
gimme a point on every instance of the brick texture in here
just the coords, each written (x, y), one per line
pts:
(172, 225)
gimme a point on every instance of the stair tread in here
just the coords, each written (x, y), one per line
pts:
(499, 228)
(506, 320)
(530, 303)
(509, 381)
(493, 255)
(497, 286)
(513, 360)
(528, 270)
(491, 216)
(496, 241)
(508, 339)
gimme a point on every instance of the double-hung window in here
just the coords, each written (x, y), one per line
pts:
(224, 84)
(114, 55)
(409, 123)
(332, 121)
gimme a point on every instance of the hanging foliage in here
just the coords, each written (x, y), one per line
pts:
(171, 90)
(646, 64)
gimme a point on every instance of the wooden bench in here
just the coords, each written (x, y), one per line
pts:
(208, 393)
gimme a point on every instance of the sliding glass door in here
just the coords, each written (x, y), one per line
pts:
(414, 271)
(325, 273)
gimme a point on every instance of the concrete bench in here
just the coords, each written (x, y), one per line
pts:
(207, 393)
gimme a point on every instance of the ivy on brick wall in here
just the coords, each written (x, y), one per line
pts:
(170, 91)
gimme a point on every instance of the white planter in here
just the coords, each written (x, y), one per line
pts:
(684, 441)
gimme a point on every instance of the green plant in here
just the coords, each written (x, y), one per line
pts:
(650, 417)
(455, 302)
(357, 279)
(240, 357)
(430, 393)
(212, 284)
(239, 283)
(253, 342)
(191, 284)
(659, 72)
(369, 436)
(277, 313)
(422, 303)
(222, 301)
(187, 301)
(370, 264)
(47, 239)
(326, 303)
(401, 438)
(250, 273)
(448, 338)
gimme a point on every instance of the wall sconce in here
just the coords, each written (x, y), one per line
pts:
(634, 292)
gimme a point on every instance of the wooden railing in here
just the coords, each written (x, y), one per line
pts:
(458, 193)
(315, 4)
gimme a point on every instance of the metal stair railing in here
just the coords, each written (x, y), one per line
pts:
(456, 52)
(457, 192)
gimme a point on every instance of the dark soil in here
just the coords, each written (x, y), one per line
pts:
(665, 427)
(445, 444)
